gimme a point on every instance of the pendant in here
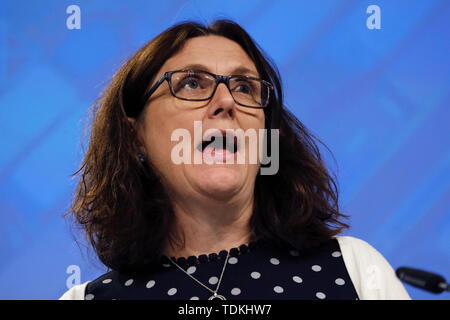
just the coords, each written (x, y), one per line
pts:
(217, 296)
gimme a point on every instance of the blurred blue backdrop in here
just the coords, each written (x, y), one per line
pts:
(379, 99)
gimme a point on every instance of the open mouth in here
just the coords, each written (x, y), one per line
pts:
(219, 143)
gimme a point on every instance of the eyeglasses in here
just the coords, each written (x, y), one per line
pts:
(198, 85)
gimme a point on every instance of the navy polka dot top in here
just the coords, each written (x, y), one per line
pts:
(257, 271)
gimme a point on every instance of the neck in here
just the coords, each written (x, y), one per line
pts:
(209, 226)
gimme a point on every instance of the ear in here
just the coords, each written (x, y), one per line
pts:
(132, 122)
(134, 128)
(134, 125)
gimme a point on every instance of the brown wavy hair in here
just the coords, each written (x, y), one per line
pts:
(121, 204)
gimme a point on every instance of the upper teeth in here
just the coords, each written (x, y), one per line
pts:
(221, 143)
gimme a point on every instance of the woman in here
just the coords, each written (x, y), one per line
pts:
(180, 230)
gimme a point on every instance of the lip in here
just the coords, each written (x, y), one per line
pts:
(225, 134)
(211, 155)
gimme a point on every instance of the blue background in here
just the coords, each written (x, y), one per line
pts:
(379, 99)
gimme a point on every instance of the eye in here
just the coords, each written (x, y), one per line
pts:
(245, 87)
(189, 83)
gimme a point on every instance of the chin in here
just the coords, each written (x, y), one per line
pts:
(221, 181)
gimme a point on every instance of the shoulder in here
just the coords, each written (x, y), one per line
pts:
(358, 253)
(355, 245)
(371, 274)
(84, 291)
(75, 293)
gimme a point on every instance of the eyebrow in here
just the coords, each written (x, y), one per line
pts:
(241, 70)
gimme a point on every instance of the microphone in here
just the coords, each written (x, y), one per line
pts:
(422, 279)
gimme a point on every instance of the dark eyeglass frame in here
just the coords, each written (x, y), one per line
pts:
(219, 79)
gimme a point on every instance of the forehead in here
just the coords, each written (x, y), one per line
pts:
(218, 54)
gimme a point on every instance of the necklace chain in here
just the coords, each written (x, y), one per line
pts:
(214, 292)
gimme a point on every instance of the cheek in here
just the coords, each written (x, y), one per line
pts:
(159, 145)
(256, 122)
(157, 136)
(256, 126)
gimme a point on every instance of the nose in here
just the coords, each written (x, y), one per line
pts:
(222, 103)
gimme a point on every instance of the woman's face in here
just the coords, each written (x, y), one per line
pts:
(165, 114)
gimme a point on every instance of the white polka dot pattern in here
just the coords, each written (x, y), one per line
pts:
(172, 291)
(274, 261)
(129, 282)
(336, 254)
(232, 260)
(191, 270)
(321, 295)
(235, 291)
(288, 274)
(150, 284)
(213, 280)
(278, 289)
(316, 268)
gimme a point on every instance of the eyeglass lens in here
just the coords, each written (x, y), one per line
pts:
(200, 86)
